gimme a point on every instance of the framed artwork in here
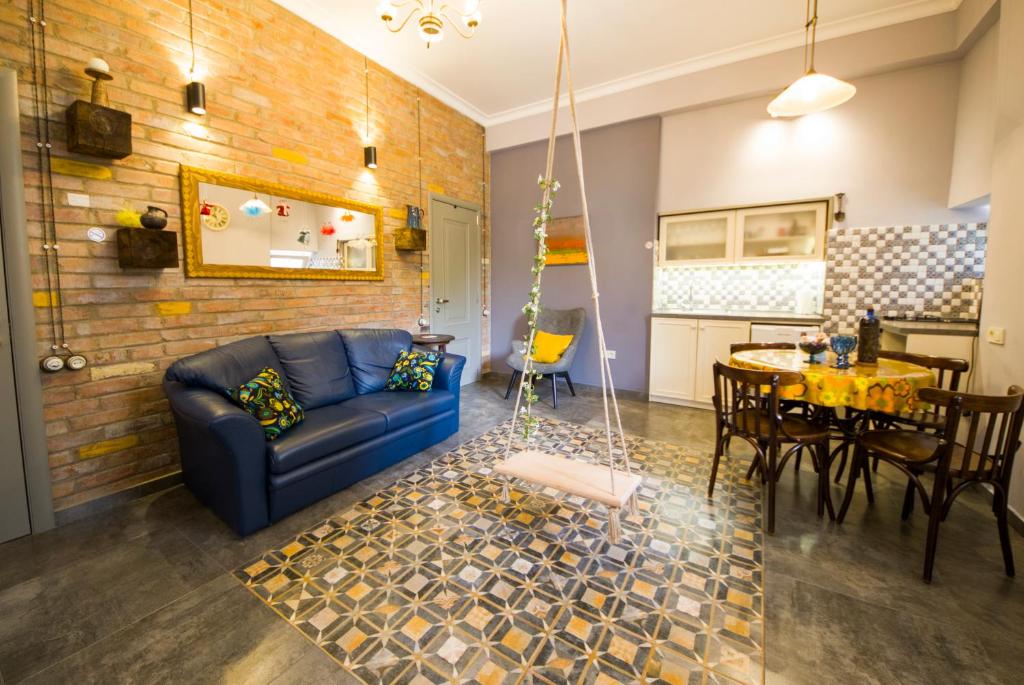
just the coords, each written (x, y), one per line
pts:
(566, 241)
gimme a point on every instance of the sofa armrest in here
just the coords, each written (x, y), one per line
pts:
(223, 455)
(448, 375)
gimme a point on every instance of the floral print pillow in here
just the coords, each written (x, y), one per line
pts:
(413, 371)
(266, 398)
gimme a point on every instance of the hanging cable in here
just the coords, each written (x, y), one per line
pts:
(192, 44)
(419, 162)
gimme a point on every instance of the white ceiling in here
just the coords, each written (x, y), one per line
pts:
(504, 72)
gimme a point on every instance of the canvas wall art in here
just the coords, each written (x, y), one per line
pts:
(566, 241)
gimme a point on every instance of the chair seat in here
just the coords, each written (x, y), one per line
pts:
(796, 428)
(926, 420)
(517, 362)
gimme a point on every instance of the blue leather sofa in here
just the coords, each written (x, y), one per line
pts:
(352, 429)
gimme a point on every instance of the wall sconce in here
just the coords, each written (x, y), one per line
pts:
(195, 97)
(370, 157)
(840, 214)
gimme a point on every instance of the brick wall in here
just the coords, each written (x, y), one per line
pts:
(285, 104)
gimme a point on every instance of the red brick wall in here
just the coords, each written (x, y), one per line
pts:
(273, 83)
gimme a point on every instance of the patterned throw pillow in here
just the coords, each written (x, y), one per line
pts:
(266, 398)
(413, 371)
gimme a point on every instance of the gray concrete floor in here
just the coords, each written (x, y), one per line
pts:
(143, 593)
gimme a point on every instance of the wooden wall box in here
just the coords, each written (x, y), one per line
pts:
(412, 239)
(99, 131)
(142, 248)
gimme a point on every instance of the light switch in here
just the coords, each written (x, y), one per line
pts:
(610, 354)
(996, 335)
(78, 200)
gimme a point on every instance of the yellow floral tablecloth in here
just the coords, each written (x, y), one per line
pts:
(890, 386)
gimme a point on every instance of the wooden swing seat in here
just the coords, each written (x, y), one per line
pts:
(571, 476)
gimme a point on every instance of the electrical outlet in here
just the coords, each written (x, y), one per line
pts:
(610, 354)
(996, 335)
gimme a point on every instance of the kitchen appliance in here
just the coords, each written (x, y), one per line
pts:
(773, 332)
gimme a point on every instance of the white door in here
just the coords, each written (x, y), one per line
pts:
(714, 339)
(455, 281)
(673, 353)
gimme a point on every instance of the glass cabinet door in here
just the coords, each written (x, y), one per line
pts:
(704, 237)
(782, 233)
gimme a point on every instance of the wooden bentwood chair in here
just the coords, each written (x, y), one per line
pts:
(985, 456)
(744, 409)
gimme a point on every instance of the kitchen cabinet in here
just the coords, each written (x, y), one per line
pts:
(683, 353)
(769, 233)
(701, 238)
(673, 359)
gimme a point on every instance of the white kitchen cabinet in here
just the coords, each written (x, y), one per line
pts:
(770, 233)
(701, 238)
(788, 233)
(683, 353)
(673, 359)
(714, 339)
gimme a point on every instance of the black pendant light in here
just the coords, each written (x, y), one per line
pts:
(370, 151)
(195, 91)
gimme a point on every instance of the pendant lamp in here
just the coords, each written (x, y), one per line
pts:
(812, 92)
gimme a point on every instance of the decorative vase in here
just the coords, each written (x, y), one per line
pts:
(154, 218)
(843, 345)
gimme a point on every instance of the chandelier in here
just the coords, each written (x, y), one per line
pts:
(432, 17)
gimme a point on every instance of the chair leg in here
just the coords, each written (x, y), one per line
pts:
(1004, 531)
(932, 541)
(769, 470)
(842, 463)
(719, 446)
(874, 464)
(511, 384)
(824, 483)
(908, 500)
(867, 482)
(554, 390)
(754, 465)
(851, 484)
(568, 381)
(796, 461)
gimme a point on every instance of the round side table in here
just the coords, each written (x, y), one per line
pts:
(438, 340)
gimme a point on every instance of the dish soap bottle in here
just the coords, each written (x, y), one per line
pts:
(869, 338)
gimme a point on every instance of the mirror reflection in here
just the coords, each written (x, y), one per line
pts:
(247, 228)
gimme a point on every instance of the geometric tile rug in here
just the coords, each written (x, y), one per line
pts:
(436, 580)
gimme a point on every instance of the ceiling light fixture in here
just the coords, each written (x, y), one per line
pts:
(812, 92)
(195, 91)
(432, 16)
(369, 151)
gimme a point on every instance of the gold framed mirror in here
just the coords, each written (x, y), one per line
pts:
(238, 227)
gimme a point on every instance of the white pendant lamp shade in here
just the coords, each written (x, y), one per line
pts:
(812, 92)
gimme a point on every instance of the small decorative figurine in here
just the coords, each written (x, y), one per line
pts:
(284, 209)
(327, 228)
(204, 209)
(304, 237)
(348, 216)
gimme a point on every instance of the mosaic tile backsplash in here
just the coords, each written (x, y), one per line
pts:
(935, 270)
(748, 287)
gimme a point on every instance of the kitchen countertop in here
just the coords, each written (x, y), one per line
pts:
(738, 315)
(967, 328)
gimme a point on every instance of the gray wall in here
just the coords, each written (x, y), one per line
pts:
(621, 170)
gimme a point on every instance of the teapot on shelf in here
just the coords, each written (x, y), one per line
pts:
(154, 218)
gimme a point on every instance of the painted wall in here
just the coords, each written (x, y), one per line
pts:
(971, 177)
(621, 168)
(1000, 365)
(889, 149)
(109, 426)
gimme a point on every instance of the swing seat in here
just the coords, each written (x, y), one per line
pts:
(574, 477)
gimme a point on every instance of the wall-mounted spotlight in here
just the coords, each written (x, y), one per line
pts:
(195, 97)
(370, 157)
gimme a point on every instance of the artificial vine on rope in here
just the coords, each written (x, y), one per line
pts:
(532, 306)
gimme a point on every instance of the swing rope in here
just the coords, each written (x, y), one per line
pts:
(607, 385)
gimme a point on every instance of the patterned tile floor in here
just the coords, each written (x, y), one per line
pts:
(436, 580)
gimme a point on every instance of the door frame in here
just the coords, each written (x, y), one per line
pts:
(473, 207)
(24, 345)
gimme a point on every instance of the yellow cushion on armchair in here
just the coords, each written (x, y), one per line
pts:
(549, 347)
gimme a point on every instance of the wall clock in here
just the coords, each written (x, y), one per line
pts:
(218, 218)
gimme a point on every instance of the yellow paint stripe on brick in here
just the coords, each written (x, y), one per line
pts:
(41, 298)
(434, 188)
(292, 156)
(425, 275)
(98, 449)
(396, 213)
(72, 167)
(173, 308)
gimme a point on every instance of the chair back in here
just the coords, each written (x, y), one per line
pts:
(747, 401)
(991, 425)
(948, 373)
(745, 346)
(564, 322)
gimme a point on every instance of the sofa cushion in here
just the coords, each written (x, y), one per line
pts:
(266, 399)
(372, 353)
(317, 367)
(404, 408)
(227, 366)
(325, 431)
(413, 371)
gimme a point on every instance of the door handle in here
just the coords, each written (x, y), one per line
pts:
(442, 300)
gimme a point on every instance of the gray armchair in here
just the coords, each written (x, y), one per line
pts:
(560, 322)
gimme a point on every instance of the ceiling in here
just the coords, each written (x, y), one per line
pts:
(504, 72)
